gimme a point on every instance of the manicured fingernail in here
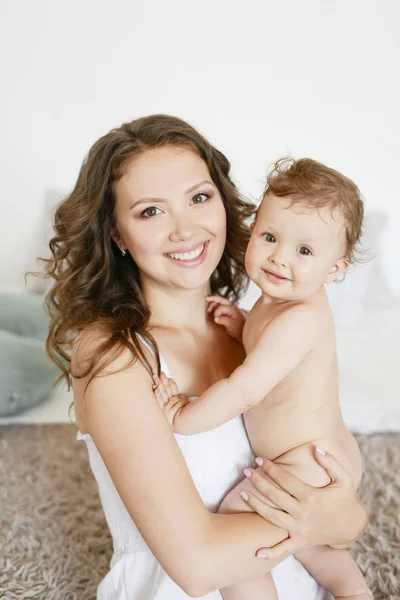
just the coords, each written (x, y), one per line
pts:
(259, 461)
(320, 450)
(244, 496)
(247, 472)
(261, 555)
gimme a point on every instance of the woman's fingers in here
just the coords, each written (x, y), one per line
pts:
(278, 497)
(269, 513)
(287, 481)
(335, 470)
(287, 546)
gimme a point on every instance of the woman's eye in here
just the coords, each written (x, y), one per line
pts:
(150, 212)
(304, 251)
(200, 198)
(268, 237)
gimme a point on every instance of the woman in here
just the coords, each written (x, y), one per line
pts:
(154, 225)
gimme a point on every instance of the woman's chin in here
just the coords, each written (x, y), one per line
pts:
(189, 280)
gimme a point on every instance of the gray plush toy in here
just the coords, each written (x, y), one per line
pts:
(27, 374)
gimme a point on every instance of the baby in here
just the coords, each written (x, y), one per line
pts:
(304, 236)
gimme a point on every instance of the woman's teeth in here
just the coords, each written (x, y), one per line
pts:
(187, 255)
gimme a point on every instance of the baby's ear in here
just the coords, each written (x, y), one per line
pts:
(252, 225)
(338, 269)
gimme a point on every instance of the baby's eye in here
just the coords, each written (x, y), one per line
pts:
(304, 251)
(200, 198)
(150, 212)
(268, 237)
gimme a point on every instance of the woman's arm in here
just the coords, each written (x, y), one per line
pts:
(199, 550)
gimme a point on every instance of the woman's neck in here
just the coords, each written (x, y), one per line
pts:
(177, 309)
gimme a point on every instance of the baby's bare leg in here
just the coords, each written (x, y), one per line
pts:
(262, 588)
(336, 571)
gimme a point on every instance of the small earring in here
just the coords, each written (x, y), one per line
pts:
(123, 252)
(341, 278)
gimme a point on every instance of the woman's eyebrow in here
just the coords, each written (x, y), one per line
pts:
(162, 201)
(146, 201)
(197, 185)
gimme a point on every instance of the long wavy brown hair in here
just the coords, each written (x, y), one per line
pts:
(93, 284)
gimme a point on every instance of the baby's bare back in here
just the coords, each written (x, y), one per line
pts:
(303, 409)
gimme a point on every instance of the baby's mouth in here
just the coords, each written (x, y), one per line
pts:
(274, 275)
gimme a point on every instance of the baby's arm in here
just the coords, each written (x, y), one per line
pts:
(282, 346)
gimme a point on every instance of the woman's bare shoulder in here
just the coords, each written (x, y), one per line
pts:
(117, 362)
(91, 341)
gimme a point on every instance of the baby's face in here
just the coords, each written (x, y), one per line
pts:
(294, 250)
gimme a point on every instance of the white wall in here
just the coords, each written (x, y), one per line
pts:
(259, 78)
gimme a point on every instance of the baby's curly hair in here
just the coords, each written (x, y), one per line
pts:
(309, 182)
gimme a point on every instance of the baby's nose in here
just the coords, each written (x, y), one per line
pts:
(279, 259)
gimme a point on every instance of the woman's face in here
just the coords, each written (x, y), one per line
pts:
(171, 218)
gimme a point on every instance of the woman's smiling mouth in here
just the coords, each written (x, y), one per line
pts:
(189, 257)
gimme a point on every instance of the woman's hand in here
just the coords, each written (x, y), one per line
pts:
(332, 515)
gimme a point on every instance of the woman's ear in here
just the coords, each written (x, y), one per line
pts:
(339, 268)
(115, 237)
(118, 241)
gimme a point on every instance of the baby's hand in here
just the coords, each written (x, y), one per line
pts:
(168, 397)
(228, 315)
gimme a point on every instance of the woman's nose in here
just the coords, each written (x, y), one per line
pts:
(182, 229)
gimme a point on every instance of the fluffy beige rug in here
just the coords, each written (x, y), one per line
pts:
(54, 542)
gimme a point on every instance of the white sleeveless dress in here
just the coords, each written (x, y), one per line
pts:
(216, 460)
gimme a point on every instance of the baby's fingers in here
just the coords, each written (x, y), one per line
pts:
(160, 397)
(170, 385)
(212, 306)
(224, 311)
(173, 387)
(167, 383)
(159, 389)
(218, 300)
